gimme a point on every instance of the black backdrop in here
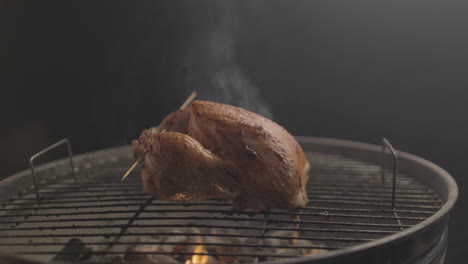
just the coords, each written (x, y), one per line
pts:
(99, 72)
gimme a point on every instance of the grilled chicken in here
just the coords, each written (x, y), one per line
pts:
(212, 150)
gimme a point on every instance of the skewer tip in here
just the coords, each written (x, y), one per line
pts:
(189, 100)
(132, 167)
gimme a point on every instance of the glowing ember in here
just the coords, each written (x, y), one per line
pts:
(198, 259)
(295, 241)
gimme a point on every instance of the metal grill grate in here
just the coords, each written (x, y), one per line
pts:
(99, 218)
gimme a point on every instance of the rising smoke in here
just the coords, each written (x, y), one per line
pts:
(212, 69)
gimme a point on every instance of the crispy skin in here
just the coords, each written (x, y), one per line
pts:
(212, 150)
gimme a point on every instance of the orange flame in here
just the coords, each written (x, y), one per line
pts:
(198, 259)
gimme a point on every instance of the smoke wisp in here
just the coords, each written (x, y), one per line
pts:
(212, 68)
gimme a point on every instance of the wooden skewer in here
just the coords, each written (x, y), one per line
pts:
(184, 105)
(133, 166)
(188, 101)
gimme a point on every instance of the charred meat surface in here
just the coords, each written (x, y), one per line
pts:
(212, 150)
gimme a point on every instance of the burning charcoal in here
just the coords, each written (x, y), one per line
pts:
(111, 259)
(280, 242)
(136, 254)
(289, 242)
(129, 257)
(174, 240)
(152, 244)
(74, 251)
(307, 252)
(222, 240)
(164, 259)
(228, 249)
(145, 245)
(178, 237)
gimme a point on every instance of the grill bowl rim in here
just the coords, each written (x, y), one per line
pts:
(450, 186)
(437, 217)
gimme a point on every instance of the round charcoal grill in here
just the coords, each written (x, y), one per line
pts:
(356, 214)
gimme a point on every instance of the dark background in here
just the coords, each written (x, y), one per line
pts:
(98, 73)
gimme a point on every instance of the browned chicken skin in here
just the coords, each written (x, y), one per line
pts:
(212, 150)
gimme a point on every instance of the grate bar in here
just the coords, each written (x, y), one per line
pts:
(142, 198)
(365, 210)
(371, 191)
(263, 228)
(138, 204)
(224, 204)
(194, 204)
(322, 194)
(108, 235)
(319, 190)
(412, 206)
(363, 185)
(317, 175)
(328, 222)
(92, 188)
(249, 219)
(174, 243)
(365, 198)
(373, 178)
(159, 253)
(229, 212)
(316, 187)
(81, 196)
(325, 182)
(408, 196)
